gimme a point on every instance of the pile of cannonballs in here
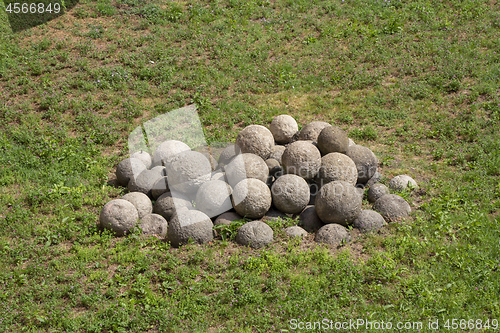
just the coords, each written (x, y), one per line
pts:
(317, 174)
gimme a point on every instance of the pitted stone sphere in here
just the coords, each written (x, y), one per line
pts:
(119, 216)
(214, 198)
(295, 231)
(145, 181)
(392, 207)
(333, 139)
(187, 171)
(377, 177)
(337, 166)
(256, 139)
(168, 203)
(302, 159)
(283, 127)
(277, 152)
(400, 183)
(274, 167)
(255, 234)
(290, 194)
(128, 169)
(246, 166)
(189, 225)
(251, 198)
(376, 191)
(160, 187)
(154, 224)
(144, 157)
(309, 220)
(311, 131)
(369, 220)
(365, 160)
(338, 202)
(227, 218)
(228, 154)
(168, 149)
(332, 234)
(141, 202)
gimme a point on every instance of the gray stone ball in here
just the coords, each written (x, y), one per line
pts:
(400, 183)
(246, 166)
(256, 139)
(166, 150)
(376, 191)
(119, 216)
(128, 169)
(301, 158)
(309, 220)
(283, 127)
(290, 194)
(274, 167)
(295, 231)
(160, 187)
(227, 218)
(154, 224)
(214, 198)
(332, 234)
(218, 175)
(392, 207)
(141, 202)
(187, 171)
(377, 177)
(311, 131)
(189, 225)
(365, 160)
(273, 214)
(144, 157)
(333, 139)
(168, 203)
(277, 153)
(255, 234)
(337, 166)
(251, 198)
(228, 154)
(338, 202)
(369, 220)
(145, 181)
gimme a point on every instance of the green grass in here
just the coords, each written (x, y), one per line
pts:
(417, 82)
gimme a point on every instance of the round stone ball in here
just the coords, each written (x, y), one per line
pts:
(214, 198)
(145, 181)
(246, 166)
(277, 152)
(189, 225)
(228, 154)
(365, 160)
(128, 169)
(376, 191)
(337, 166)
(369, 220)
(187, 171)
(311, 131)
(338, 202)
(256, 139)
(141, 202)
(119, 216)
(400, 183)
(273, 214)
(218, 175)
(166, 150)
(227, 218)
(290, 194)
(160, 187)
(283, 127)
(274, 167)
(309, 220)
(295, 231)
(332, 234)
(392, 207)
(153, 224)
(251, 198)
(301, 158)
(168, 203)
(255, 234)
(144, 157)
(377, 177)
(333, 139)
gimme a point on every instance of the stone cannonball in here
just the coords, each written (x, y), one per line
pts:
(246, 166)
(228, 154)
(376, 191)
(283, 127)
(187, 171)
(119, 216)
(141, 202)
(145, 181)
(144, 157)
(274, 167)
(290, 194)
(337, 166)
(365, 160)
(392, 207)
(301, 158)
(256, 139)
(332, 234)
(400, 183)
(168, 203)
(338, 202)
(311, 131)
(154, 224)
(128, 169)
(227, 218)
(309, 220)
(295, 231)
(255, 234)
(189, 225)
(251, 198)
(333, 139)
(214, 198)
(160, 187)
(277, 152)
(369, 220)
(166, 150)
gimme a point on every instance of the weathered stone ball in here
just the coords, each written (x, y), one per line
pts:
(295, 231)
(332, 234)
(376, 191)
(333, 139)
(338, 202)
(141, 202)
(160, 187)
(283, 127)
(166, 150)
(290, 194)
(400, 183)
(189, 225)
(301, 158)
(277, 153)
(251, 198)
(369, 220)
(377, 177)
(255, 234)
(119, 216)
(337, 166)
(128, 169)
(228, 154)
(365, 160)
(227, 218)
(168, 203)
(256, 139)
(214, 198)
(144, 157)
(392, 207)
(153, 224)
(145, 181)
(274, 167)
(273, 214)
(311, 131)
(309, 220)
(246, 166)
(187, 171)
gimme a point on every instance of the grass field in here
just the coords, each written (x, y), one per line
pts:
(415, 81)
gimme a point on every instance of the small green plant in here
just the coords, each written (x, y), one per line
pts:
(229, 232)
